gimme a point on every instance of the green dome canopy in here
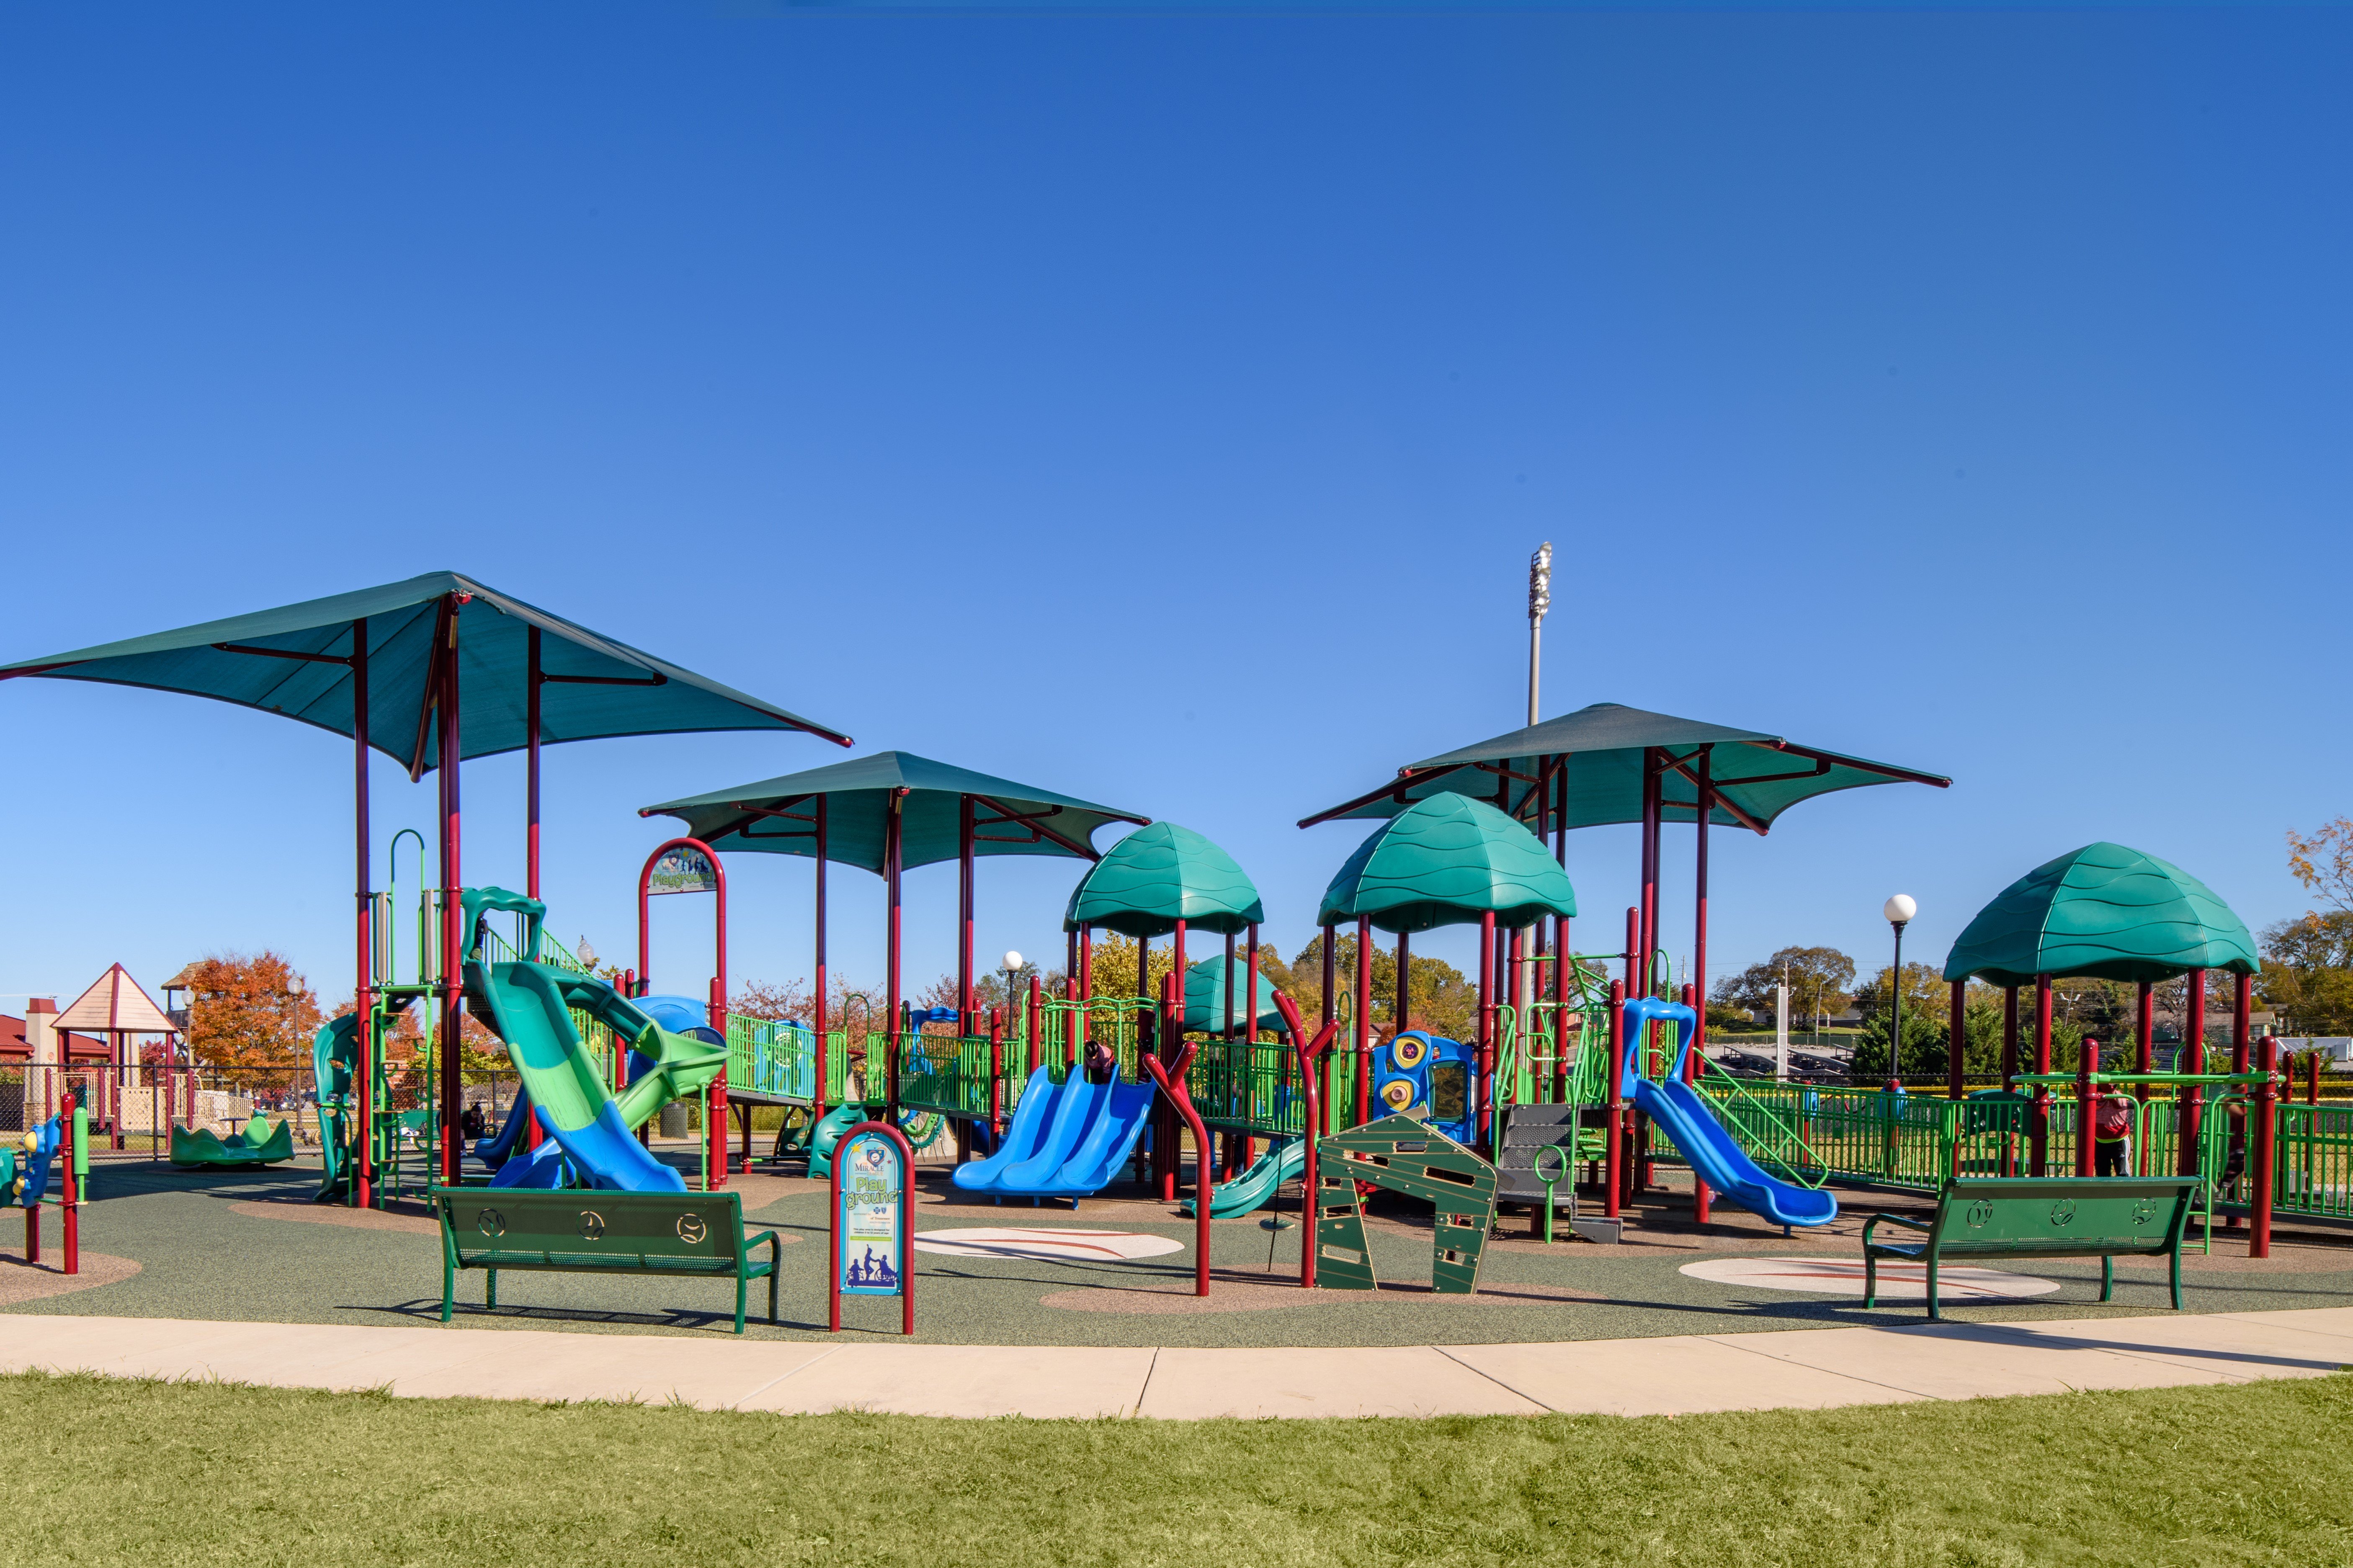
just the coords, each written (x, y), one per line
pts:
(1205, 996)
(1446, 861)
(1159, 875)
(2104, 912)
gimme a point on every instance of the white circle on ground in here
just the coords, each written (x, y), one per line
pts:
(1038, 1241)
(1898, 1282)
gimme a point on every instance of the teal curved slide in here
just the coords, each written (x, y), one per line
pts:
(1285, 1160)
(529, 1006)
(1681, 1112)
(1067, 1140)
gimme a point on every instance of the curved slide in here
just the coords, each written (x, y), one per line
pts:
(1067, 1140)
(1285, 1160)
(1680, 1111)
(529, 1006)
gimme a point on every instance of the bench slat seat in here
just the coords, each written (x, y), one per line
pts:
(2023, 1218)
(687, 1235)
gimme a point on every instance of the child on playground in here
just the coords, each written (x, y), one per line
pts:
(2112, 1124)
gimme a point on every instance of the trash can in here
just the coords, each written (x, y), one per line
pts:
(673, 1119)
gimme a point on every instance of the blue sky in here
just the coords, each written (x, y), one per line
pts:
(1161, 409)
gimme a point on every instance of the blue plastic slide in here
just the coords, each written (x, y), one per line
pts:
(1067, 1140)
(1285, 1160)
(1680, 1111)
(501, 1146)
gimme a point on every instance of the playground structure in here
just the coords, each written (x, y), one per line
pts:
(61, 1143)
(1600, 1066)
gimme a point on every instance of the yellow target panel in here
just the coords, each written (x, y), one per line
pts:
(1397, 1093)
(1408, 1051)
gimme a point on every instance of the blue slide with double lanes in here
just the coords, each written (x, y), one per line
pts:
(1067, 1140)
(1683, 1114)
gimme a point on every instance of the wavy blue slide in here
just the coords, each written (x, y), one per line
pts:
(1067, 1140)
(1680, 1111)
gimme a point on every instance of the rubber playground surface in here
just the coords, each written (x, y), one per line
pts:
(249, 1245)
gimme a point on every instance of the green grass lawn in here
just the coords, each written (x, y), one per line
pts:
(112, 1472)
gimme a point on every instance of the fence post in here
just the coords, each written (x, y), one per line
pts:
(2088, 1066)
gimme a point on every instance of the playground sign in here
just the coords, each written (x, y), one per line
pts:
(683, 869)
(873, 1220)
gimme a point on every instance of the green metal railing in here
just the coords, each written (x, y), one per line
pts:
(2313, 1171)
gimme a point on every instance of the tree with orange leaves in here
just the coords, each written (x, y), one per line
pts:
(252, 1013)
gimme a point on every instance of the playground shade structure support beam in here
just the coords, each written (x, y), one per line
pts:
(2266, 1119)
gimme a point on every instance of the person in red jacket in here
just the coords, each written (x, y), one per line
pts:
(2112, 1127)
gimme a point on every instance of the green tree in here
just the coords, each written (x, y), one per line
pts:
(1817, 978)
(2307, 976)
(1443, 999)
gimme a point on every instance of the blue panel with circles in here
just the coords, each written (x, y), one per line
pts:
(1428, 1077)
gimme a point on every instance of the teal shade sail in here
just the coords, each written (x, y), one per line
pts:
(1446, 861)
(1598, 750)
(295, 660)
(778, 816)
(2104, 912)
(1159, 875)
(1205, 996)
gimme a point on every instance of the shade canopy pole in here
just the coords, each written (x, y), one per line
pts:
(816, 1094)
(1364, 1020)
(363, 1177)
(963, 914)
(892, 831)
(452, 880)
(531, 683)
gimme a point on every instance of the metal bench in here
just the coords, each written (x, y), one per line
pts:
(2105, 1217)
(688, 1235)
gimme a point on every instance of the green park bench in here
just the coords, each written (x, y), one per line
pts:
(689, 1235)
(2105, 1217)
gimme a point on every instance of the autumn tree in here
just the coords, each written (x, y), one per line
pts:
(252, 1013)
(1441, 998)
(1817, 978)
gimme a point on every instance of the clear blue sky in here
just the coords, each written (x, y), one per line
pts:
(1161, 409)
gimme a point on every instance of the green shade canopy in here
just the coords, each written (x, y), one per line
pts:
(1599, 751)
(1205, 996)
(2104, 912)
(295, 661)
(1446, 861)
(1157, 876)
(778, 816)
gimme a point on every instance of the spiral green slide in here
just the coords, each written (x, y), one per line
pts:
(529, 1006)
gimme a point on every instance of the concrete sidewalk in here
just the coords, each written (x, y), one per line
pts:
(1802, 1369)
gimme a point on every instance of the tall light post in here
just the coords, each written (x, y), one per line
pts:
(1539, 601)
(1899, 911)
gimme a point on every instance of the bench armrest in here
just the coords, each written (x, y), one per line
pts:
(1892, 1219)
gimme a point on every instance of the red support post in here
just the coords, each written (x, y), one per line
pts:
(363, 1175)
(1402, 1008)
(823, 1044)
(2087, 1066)
(2193, 1061)
(1250, 989)
(1633, 951)
(1485, 1087)
(1364, 1021)
(2243, 1008)
(1700, 1204)
(453, 937)
(2039, 1121)
(892, 851)
(963, 914)
(2145, 1033)
(1956, 1039)
(1172, 1049)
(1309, 1056)
(2263, 1159)
(1170, 1077)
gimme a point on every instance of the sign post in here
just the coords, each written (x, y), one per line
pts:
(873, 1220)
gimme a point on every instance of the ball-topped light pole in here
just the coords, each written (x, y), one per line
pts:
(1899, 911)
(1539, 601)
